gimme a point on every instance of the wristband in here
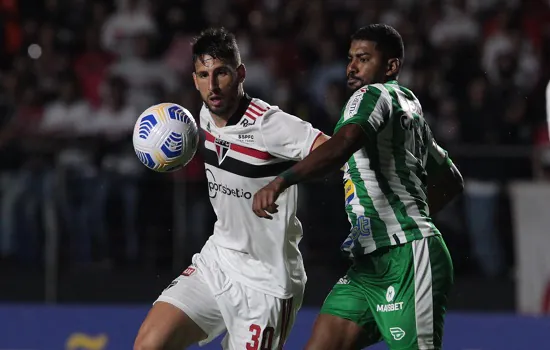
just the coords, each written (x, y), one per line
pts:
(289, 176)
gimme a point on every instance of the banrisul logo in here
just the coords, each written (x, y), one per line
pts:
(354, 103)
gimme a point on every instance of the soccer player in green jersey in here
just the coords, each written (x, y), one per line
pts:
(395, 177)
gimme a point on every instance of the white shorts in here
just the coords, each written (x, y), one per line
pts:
(253, 320)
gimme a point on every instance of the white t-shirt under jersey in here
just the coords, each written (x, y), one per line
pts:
(258, 143)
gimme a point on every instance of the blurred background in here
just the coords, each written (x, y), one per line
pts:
(82, 221)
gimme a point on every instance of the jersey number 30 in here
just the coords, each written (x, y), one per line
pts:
(266, 335)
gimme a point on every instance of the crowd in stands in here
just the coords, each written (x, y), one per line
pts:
(75, 74)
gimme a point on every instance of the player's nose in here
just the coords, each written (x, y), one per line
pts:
(351, 68)
(213, 84)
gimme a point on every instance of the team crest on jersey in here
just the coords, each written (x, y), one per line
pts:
(222, 147)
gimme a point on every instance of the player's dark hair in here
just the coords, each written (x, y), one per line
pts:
(388, 40)
(218, 43)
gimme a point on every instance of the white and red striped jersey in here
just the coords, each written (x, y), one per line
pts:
(258, 143)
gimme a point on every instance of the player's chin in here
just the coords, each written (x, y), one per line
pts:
(218, 108)
(354, 84)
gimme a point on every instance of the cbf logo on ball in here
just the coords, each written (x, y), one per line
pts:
(165, 137)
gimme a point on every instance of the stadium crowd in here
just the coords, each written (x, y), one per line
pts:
(75, 75)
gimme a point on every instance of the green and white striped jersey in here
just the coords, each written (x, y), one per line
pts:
(385, 182)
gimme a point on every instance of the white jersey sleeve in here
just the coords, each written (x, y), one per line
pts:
(286, 136)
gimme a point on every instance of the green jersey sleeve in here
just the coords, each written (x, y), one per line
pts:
(369, 107)
(437, 156)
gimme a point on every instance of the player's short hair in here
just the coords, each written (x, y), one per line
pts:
(218, 43)
(387, 39)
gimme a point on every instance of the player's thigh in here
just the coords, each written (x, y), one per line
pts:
(167, 327)
(345, 321)
(410, 309)
(185, 313)
(255, 320)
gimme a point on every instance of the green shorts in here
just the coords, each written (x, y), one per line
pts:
(397, 294)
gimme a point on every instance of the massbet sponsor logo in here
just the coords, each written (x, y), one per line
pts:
(389, 307)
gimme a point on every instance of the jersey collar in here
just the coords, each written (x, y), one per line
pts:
(243, 106)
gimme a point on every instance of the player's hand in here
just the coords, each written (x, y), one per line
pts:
(264, 199)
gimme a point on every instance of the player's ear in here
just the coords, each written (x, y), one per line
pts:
(241, 73)
(195, 81)
(394, 64)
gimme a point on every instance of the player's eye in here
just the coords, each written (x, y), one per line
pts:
(202, 75)
(363, 60)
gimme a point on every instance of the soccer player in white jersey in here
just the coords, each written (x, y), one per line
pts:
(249, 277)
(395, 176)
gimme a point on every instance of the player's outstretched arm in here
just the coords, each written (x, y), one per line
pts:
(329, 156)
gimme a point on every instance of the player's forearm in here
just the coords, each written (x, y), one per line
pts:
(328, 157)
(315, 165)
(443, 188)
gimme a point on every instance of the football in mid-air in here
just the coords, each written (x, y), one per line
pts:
(165, 137)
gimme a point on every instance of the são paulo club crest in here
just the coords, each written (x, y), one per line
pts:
(222, 147)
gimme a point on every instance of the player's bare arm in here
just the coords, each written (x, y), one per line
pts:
(328, 155)
(444, 184)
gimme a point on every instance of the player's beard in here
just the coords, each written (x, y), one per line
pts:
(228, 101)
(221, 110)
(354, 83)
(225, 107)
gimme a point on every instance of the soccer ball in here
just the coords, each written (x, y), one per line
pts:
(165, 137)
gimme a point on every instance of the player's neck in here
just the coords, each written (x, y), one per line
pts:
(222, 119)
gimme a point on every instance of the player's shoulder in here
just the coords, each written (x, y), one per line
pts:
(405, 97)
(204, 112)
(370, 94)
(257, 111)
(270, 113)
(393, 89)
(260, 106)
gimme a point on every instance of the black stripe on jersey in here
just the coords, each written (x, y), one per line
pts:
(238, 167)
